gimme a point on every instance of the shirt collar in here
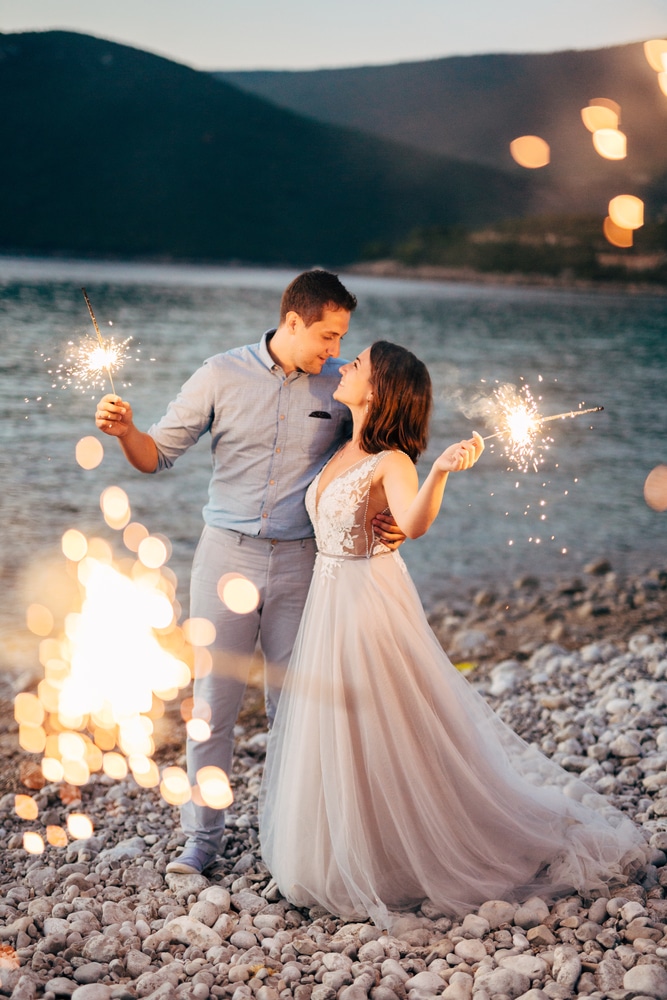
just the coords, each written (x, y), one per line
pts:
(265, 354)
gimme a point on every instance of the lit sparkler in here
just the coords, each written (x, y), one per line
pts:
(92, 360)
(520, 422)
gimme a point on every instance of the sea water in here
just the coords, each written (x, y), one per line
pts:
(572, 348)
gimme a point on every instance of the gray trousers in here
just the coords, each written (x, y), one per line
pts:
(281, 571)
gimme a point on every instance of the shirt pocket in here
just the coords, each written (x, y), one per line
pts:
(318, 434)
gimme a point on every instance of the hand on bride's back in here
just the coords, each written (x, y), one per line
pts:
(460, 456)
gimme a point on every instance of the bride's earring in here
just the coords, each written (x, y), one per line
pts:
(368, 399)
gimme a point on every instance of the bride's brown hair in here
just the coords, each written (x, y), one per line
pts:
(400, 407)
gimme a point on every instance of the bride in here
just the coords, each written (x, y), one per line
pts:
(389, 781)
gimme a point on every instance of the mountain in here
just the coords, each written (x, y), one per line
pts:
(472, 107)
(110, 150)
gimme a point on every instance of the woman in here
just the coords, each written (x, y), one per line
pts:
(389, 780)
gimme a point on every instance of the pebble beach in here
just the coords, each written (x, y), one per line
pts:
(577, 667)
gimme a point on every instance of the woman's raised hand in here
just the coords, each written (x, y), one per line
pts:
(460, 456)
(113, 415)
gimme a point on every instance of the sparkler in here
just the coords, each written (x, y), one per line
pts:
(544, 420)
(103, 355)
(520, 422)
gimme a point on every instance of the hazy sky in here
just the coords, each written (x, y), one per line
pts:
(309, 34)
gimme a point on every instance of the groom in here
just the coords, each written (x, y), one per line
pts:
(273, 423)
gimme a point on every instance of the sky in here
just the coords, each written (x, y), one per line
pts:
(315, 34)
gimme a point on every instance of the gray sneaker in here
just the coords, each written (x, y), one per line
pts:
(193, 861)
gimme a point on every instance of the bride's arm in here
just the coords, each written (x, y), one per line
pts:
(415, 509)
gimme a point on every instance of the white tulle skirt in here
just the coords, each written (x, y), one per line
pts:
(390, 781)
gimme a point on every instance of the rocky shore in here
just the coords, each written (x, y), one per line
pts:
(578, 667)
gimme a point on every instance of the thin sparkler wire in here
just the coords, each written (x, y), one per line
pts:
(99, 336)
(555, 416)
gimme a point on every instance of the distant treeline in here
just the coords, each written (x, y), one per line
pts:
(556, 246)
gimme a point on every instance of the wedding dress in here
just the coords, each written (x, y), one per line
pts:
(389, 780)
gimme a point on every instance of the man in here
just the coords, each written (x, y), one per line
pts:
(273, 424)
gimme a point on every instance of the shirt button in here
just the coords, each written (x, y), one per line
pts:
(272, 482)
(265, 515)
(277, 450)
(282, 416)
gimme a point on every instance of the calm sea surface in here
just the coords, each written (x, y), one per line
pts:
(571, 347)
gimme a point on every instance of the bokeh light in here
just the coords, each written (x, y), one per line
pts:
(627, 211)
(530, 151)
(238, 593)
(198, 730)
(655, 51)
(655, 488)
(74, 545)
(79, 826)
(610, 143)
(115, 506)
(199, 631)
(39, 619)
(33, 843)
(175, 786)
(114, 766)
(25, 807)
(615, 235)
(56, 836)
(214, 787)
(152, 552)
(89, 452)
(28, 709)
(134, 535)
(601, 114)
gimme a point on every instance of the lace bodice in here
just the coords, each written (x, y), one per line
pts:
(340, 513)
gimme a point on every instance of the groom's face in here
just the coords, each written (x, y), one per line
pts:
(313, 345)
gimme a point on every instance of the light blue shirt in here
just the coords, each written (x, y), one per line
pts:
(270, 436)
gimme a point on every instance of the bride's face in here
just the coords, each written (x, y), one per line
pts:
(355, 388)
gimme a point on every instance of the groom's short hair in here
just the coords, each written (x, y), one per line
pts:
(314, 291)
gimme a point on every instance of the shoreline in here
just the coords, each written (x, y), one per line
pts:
(467, 275)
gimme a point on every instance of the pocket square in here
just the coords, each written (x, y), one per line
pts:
(322, 414)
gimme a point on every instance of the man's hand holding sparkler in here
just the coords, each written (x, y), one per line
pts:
(460, 456)
(113, 416)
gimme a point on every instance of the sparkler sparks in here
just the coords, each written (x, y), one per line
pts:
(518, 423)
(91, 361)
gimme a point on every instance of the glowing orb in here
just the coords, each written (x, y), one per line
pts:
(198, 730)
(52, 769)
(214, 787)
(76, 772)
(175, 786)
(133, 535)
(33, 843)
(627, 211)
(152, 552)
(610, 143)
(199, 631)
(599, 116)
(56, 836)
(615, 235)
(39, 619)
(74, 545)
(25, 807)
(115, 507)
(238, 593)
(89, 452)
(655, 488)
(28, 709)
(114, 766)
(79, 826)
(655, 51)
(32, 738)
(530, 151)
